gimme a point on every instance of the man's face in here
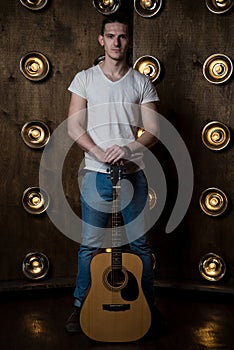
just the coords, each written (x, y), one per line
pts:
(115, 40)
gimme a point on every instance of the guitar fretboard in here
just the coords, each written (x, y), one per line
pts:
(116, 173)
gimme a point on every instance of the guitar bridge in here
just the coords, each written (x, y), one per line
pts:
(116, 307)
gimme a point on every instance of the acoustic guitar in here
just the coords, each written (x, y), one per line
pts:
(115, 308)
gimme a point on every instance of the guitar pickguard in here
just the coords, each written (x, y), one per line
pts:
(131, 291)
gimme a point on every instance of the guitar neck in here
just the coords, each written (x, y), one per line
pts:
(116, 218)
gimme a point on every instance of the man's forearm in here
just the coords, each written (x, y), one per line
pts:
(145, 140)
(86, 144)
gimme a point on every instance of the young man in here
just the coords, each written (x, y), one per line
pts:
(107, 104)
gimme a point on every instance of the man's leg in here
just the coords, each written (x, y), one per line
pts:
(96, 194)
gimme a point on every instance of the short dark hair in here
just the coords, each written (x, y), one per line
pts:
(115, 18)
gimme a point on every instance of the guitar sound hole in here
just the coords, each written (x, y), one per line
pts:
(116, 279)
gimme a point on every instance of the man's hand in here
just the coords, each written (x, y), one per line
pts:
(116, 153)
(98, 153)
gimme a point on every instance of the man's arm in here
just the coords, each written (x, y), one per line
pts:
(76, 124)
(147, 139)
(151, 128)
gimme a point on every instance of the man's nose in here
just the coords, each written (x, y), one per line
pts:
(117, 41)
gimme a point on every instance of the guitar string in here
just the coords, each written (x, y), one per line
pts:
(116, 257)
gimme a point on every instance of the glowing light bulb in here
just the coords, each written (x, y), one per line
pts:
(35, 133)
(216, 136)
(147, 4)
(34, 67)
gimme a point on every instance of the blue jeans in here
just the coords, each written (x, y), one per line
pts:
(96, 202)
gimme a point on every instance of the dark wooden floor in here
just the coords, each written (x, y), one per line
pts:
(197, 321)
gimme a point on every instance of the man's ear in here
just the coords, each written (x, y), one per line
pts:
(100, 40)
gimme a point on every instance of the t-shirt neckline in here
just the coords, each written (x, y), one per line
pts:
(117, 81)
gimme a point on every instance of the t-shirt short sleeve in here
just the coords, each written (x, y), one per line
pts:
(78, 84)
(149, 93)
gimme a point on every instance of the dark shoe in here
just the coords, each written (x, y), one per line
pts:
(73, 322)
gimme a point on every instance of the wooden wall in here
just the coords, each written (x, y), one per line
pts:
(182, 35)
(64, 33)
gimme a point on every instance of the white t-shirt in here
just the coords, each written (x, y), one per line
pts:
(113, 109)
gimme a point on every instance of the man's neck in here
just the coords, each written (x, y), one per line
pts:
(114, 70)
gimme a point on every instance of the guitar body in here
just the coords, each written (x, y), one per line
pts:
(115, 312)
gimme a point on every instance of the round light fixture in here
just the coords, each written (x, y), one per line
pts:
(213, 201)
(34, 66)
(34, 4)
(152, 198)
(154, 262)
(35, 134)
(35, 200)
(216, 136)
(149, 66)
(212, 267)
(219, 6)
(218, 68)
(147, 8)
(107, 7)
(99, 59)
(35, 265)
